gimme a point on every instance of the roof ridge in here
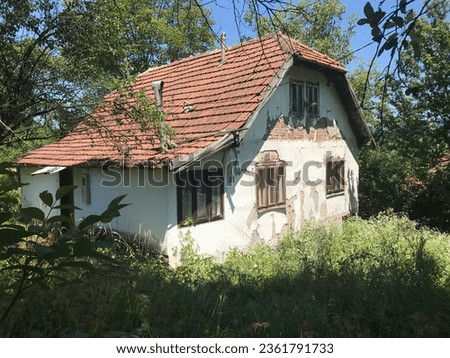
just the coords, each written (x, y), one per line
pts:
(208, 53)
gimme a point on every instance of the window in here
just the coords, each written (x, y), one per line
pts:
(302, 96)
(296, 96)
(200, 196)
(312, 99)
(271, 184)
(335, 175)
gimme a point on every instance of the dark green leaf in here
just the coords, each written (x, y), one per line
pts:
(64, 190)
(34, 213)
(389, 25)
(31, 268)
(18, 251)
(402, 6)
(409, 16)
(89, 221)
(47, 198)
(377, 17)
(362, 21)
(398, 20)
(5, 217)
(391, 42)
(368, 10)
(377, 35)
(5, 167)
(12, 237)
(116, 201)
(59, 219)
(9, 187)
(42, 250)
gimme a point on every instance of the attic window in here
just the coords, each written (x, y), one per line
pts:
(312, 99)
(200, 196)
(304, 96)
(335, 175)
(270, 183)
(296, 97)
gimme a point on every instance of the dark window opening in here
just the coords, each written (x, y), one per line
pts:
(296, 97)
(335, 176)
(200, 196)
(312, 99)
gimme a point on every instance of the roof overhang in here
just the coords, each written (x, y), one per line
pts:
(355, 112)
(48, 170)
(179, 164)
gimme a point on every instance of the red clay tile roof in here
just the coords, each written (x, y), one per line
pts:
(223, 96)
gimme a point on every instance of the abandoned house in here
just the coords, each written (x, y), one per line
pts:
(267, 136)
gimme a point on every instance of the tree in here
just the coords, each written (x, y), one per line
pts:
(59, 58)
(409, 170)
(395, 30)
(319, 24)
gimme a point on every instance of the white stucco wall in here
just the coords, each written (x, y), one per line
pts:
(36, 184)
(146, 192)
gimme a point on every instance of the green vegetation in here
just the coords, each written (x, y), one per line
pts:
(376, 278)
(409, 171)
(320, 24)
(380, 277)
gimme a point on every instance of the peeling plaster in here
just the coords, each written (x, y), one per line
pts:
(252, 217)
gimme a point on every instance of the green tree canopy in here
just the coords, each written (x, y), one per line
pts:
(320, 24)
(409, 170)
(59, 58)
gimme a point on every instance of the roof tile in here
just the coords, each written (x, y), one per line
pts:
(220, 97)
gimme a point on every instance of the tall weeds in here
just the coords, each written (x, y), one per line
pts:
(377, 278)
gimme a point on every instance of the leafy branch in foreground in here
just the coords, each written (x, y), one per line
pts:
(46, 246)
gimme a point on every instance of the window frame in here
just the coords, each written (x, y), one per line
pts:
(300, 100)
(312, 111)
(270, 194)
(205, 177)
(335, 176)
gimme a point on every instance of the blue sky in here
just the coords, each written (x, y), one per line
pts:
(225, 22)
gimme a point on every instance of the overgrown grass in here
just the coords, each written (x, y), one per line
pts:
(377, 278)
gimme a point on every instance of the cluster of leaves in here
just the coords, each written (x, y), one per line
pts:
(397, 31)
(46, 247)
(60, 58)
(408, 114)
(150, 119)
(385, 27)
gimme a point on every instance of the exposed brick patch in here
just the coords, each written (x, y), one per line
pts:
(322, 131)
